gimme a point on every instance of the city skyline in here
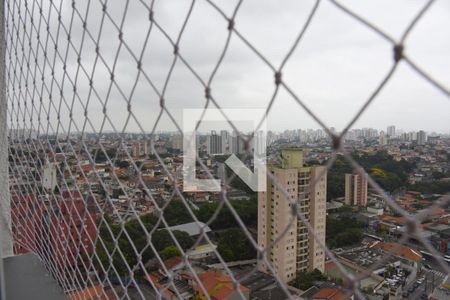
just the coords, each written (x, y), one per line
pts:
(206, 132)
(225, 149)
(335, 69)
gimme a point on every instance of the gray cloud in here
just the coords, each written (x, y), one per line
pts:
(337, 64)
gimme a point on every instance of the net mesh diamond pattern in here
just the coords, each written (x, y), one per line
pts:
(77, 73)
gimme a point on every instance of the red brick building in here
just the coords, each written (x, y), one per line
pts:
(62, 227)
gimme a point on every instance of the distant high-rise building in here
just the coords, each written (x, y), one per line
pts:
(214, 143)
(421, 137)
(355, 190)
(382, 139)
(271, 137)
(296, 250)
(136, 149)
(391, 131)
(433, 140)
(237, 143)
(412, 136)
(404, 137)
(333, 130)
(147, 146)
(225, 140)
(176, 142)
(258, 143)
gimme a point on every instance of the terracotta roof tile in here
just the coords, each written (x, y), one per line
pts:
(398, 250)
(218, 285)
(331, 293)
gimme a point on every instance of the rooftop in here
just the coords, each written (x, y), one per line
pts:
(365, 257)
(398, 250)
(193, 228)
(218, 285)
(331, 293)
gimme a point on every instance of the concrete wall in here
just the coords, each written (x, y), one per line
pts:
(5, 215)
(5, 208)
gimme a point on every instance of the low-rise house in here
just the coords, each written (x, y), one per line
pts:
(331, 293)
(219, 287)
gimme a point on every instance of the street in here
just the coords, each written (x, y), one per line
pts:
(432, 279)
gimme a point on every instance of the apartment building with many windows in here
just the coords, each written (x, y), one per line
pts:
(298, 250)
(355, 190)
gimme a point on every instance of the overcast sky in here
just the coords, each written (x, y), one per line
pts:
(335, 68)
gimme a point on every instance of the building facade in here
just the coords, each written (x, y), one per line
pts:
(214, 143)
(225, 141)
(382, 139)
(355, 190)
(295, 249)
(421, 137)
(391, 131)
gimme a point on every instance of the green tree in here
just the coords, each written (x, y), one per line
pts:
(169, 252)
(343, 231)
(125, 248)
(437, 187)
(123, 164)
(336, 178)
(387, 172)
(438, 175)
(161, 239)
(390, 271)
(176, 213)
(246, 209)
(306, 280)
(235, 245)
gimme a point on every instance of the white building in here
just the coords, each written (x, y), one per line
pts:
(225, 140)
(391, 131)
(421, 137)
(382, 139)
(214, 143)
(49, 178)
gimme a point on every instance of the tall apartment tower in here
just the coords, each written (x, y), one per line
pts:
(382, 139)
(421, 137)
(355, 190)
(176, 141)
(214, 143)
(391, 131)
(225, 141)
(296, 250)
(136, 149)
(237, 144)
